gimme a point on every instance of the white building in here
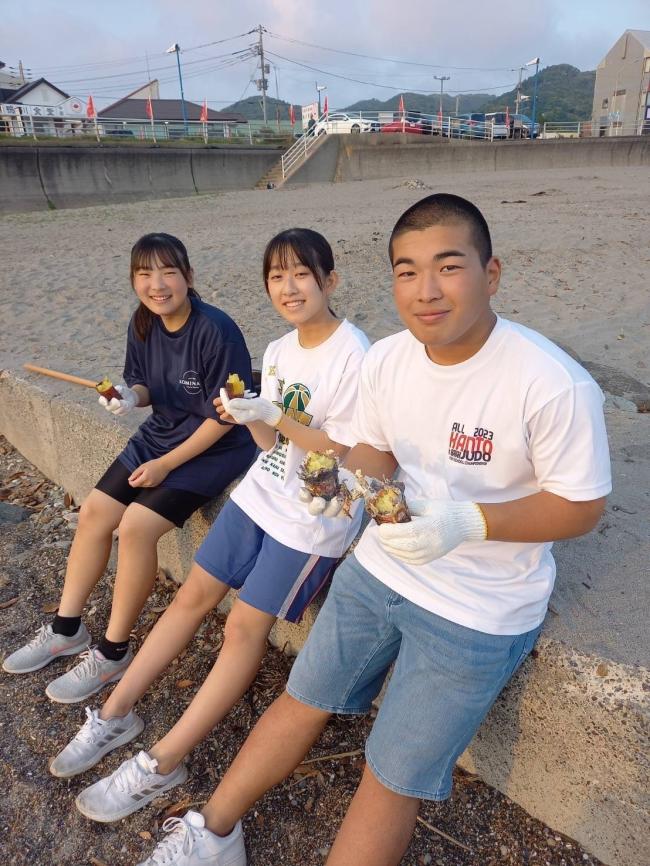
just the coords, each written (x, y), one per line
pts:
(622, 92)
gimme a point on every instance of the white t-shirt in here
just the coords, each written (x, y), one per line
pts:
(317, 387)
(517, 418)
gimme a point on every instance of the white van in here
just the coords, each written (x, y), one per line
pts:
(496, 124)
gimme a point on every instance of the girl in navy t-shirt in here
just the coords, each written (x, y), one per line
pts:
(179, 353)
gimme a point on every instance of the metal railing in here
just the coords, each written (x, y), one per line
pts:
(156, 131)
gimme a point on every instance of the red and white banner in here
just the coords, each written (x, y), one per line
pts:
(292, 115)
(90, 108)
(401, 105)
(203, 117)
(149, 108)
(326, 107)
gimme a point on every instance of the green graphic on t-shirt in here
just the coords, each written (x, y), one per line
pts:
(294, 402)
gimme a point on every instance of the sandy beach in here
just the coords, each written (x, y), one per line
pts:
(573, 245)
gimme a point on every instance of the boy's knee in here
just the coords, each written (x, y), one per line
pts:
(240, 630)
(196, 595)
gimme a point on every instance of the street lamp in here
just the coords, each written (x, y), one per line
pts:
(534, 62)
(441, 79)
(176, 49)
(319, 89)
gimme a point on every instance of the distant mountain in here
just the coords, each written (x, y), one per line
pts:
(563, 93)
(251, 108)
(426, 103)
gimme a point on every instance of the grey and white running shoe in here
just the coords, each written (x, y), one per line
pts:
(88, 677)
(190, 843)
(134, 784)
(43, 648)
(94, 739)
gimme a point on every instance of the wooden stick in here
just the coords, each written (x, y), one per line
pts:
(66, 377)
(333, 757)
(444, 835)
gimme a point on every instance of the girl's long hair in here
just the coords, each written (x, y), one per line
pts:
(150, 251)
(309, 247)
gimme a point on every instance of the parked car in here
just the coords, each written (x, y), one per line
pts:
(469, 125)
(403, 126)
(340, 123)
(497, 126)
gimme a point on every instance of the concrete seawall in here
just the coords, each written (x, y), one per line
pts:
(566, 738)
(372, 157)
(35, 178)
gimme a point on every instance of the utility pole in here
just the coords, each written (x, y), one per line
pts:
(441, 79)
(176, 49)
(262, 83)
(518, 97)
(457, 103)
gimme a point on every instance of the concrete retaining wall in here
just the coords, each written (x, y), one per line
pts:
(34, 178)
(370, 157)
(565, 740)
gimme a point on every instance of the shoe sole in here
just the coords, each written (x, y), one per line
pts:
(73, 651)
(122, 740)
(134, 807)
(79, 698)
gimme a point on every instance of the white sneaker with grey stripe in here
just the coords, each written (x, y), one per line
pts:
(94, 739)
(132, 786)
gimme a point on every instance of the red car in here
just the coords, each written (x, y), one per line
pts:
(403, 126)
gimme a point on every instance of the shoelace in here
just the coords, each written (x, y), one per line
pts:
(128, 777)
(39, 638)
(179, 841)
(91, 727)
(89, 667)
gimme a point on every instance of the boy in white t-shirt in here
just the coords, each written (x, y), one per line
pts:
(500, 441)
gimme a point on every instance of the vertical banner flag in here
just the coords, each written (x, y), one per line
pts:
(326, 108)
(401, 111)
(90, 108)
(204, 112)
(292, 115)
(149, 109)
(508, 119)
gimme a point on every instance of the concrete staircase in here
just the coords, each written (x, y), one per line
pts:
(297, 155)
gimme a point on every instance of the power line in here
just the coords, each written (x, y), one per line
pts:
(383, 86)
(390, 59)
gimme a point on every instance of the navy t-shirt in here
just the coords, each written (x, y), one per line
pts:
(184, 371)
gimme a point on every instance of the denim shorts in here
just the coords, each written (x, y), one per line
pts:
(269, 576)
(446, 678)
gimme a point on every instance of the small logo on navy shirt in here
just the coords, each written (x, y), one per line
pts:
(473, 448)
(190, 382)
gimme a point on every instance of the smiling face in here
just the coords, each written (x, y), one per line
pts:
(295, 292)
(162, 289)
(442, 290)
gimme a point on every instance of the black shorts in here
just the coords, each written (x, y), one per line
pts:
(174, 505)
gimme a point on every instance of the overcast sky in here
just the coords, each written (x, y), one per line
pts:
(107, 48)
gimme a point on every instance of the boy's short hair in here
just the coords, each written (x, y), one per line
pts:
(443, 208)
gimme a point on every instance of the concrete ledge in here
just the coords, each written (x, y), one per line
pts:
(567, 740)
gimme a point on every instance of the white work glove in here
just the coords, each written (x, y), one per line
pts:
(129, 401)
(334, 507)
(250, 408)
(436, 527)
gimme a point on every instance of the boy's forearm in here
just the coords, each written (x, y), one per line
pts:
(541, 517)
(372, 462)
(203, 437)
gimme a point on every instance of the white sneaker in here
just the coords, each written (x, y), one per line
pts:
(190, 843)
(44, 647)
(134, 784)
(88, 677)
(94, 739)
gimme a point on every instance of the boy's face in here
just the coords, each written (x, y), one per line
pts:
(442, 291)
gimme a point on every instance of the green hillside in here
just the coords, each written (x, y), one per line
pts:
(563, 93)
(426, 103)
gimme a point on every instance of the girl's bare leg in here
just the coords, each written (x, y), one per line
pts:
(137, 561)
(98, 517)
(274, 748)
(171, 634)
(243, 649)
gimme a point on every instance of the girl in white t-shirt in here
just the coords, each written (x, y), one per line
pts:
(262, 542)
